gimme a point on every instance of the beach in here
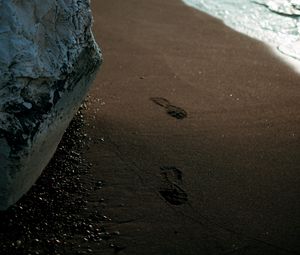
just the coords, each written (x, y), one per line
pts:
(192, 138)
(237, 149)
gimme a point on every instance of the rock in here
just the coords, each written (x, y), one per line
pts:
(48, 58)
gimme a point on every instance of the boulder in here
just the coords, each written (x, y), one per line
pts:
(48, 59)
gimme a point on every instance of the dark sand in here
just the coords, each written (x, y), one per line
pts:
(192, 131)
(222, 180)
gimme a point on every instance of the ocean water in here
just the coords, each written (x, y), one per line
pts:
(275, 22)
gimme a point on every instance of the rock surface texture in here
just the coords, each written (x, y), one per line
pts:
(48, 58)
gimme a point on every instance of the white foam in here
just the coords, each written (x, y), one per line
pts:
(275, 22)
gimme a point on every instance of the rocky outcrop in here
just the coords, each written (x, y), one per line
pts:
(48, 58)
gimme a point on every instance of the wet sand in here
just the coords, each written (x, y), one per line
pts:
(189, 145)
(196, 134)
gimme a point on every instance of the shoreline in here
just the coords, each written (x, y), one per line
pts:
(290, 60)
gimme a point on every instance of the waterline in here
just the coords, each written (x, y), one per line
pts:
(275, 22)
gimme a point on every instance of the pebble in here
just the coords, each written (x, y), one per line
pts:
(51, 213)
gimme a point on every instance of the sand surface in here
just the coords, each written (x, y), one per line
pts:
(196, 131)
(193, 138)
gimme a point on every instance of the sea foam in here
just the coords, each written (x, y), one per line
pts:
(275, 22)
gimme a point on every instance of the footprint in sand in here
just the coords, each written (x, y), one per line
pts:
(176, 112)
(160, 101)
(171, 190)
(172, 110)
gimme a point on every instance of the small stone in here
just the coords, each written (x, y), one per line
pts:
(116, 233)
(27, 105)
(99, 184)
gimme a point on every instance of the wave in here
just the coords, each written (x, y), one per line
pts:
(285, 7)
(275, 22)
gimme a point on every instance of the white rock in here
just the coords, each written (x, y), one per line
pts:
(48, 58)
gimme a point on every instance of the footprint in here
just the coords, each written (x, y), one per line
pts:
(160, 101)
(176, 112)
(172, 110)
(174, 195)
(171, 190)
